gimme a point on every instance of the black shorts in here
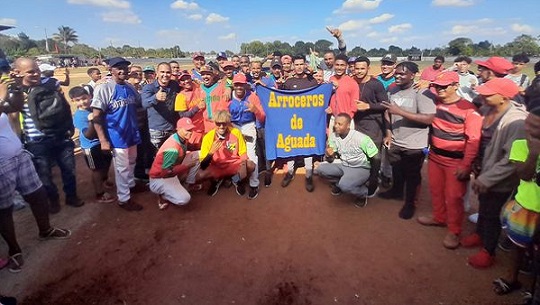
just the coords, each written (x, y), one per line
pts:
(97, 159)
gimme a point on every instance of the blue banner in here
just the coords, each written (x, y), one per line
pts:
(295, 121)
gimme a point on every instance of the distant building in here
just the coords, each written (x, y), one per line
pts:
(417, 56)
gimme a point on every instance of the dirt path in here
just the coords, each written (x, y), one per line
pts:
(286, 247)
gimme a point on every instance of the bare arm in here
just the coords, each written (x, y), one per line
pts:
(99, 125)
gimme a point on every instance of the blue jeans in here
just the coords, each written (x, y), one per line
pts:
(48, 151)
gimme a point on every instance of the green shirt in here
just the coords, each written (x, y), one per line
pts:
(528, 192)
(355, 149)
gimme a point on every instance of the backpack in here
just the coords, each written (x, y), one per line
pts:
(50, 110)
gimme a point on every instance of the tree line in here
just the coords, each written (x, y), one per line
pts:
(66, 41)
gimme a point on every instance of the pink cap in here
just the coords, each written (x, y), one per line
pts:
(496, 64)
(197, 54)
(185, 123)
(239, 78)
(502, 86)
(446, 78)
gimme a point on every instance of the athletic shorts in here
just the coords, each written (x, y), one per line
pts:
(96, 158)
(519, 223)
(17, 173)
(221, 171)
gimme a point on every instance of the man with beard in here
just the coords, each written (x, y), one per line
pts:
(369, 117)
(158, 99)
(411, 114)
(115, 119)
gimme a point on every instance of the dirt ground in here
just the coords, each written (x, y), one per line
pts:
(285, 247)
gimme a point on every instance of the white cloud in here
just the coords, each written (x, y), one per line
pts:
(216, 18)
(8, 21)
(380, 19)
(399, 28)
(463, 29)
(521, 28)
(121, 17)
(452, 2)
(230, 36)
(389, 40)
(353, 25)
(183, 5)
(350, 6)
(372, 34)
(195, 17)
(104, 3)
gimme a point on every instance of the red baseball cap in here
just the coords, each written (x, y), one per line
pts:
(446, 78)
(183, 74)
(228, 64)
(240, 78)
(496, 64)
(502, 86)
(185, 123)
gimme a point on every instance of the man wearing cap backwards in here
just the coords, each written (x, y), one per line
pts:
(245, 109)
(411, 113)
(190, 103)
(158, 98)
(299, 81)
(504, 122)
(172, 162)
(115, 119)
(198, 61)
(48, 145)
(454, 141)
(223, 154)
(214, 95)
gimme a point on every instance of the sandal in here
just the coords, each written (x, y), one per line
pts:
(106, 198)
(16, 262)
(162, 203)
(501, 286)
(55, 233)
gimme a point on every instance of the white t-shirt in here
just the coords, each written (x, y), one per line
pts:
(10, 145)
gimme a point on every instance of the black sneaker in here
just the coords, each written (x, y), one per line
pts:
(267, 178)
(74, 202)
(54, 206)
(407, 211)
(253, 192)
(336, 191)
(287, 179)
(309, 184)
(391, 194)
(214, 187)
(240, 188)
(130, 205)
(360, 202)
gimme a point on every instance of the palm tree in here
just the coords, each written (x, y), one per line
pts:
(66, 35)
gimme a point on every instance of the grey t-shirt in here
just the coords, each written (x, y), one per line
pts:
(406, 133)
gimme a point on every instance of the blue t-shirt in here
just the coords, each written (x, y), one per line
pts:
(239, 111)
(80, 120)
(119, 103)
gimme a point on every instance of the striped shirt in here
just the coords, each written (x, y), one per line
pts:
(31, 133)
(456, 132)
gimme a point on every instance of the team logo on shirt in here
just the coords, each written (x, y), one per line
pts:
(231, 146)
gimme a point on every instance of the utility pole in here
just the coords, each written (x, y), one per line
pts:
(46, 41)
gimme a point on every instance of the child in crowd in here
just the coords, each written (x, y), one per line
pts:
(97, 160)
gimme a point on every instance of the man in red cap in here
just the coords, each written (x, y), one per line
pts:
(454, 139)
(245, 109)
(495, 174)
(493, 67)
(173, 161)
(198, 62)
(190, 103)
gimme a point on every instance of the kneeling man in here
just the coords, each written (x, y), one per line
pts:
(172, 162)
(224, 154)
(355, 150)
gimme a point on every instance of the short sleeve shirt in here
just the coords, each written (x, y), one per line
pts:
(355, 149)
(528, 192)
(80, 120)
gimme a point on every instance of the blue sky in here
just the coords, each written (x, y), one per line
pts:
(204, 25)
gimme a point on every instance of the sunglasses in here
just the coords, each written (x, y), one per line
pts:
(221, 123)
(441, 87)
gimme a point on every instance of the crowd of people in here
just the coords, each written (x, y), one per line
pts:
(168, 130)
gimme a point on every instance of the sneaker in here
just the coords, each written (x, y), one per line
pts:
(336, 191)
(214, 187)
(74, 202)
(287, 179)
(360, 202)
(391, 194)
(16, 262)
(309, 184)
(451, 241)
(130, 205)
(407, 211)
(54, 206)
(371, 193)
(106, 197)
(267, 178)
(55, 233)
(429, 221)
(253, 192)
(471, 241)
(138, 188)
(481, 260)
(240, 188)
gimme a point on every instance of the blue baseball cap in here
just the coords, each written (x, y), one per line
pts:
(221, 54)
(116, 61)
